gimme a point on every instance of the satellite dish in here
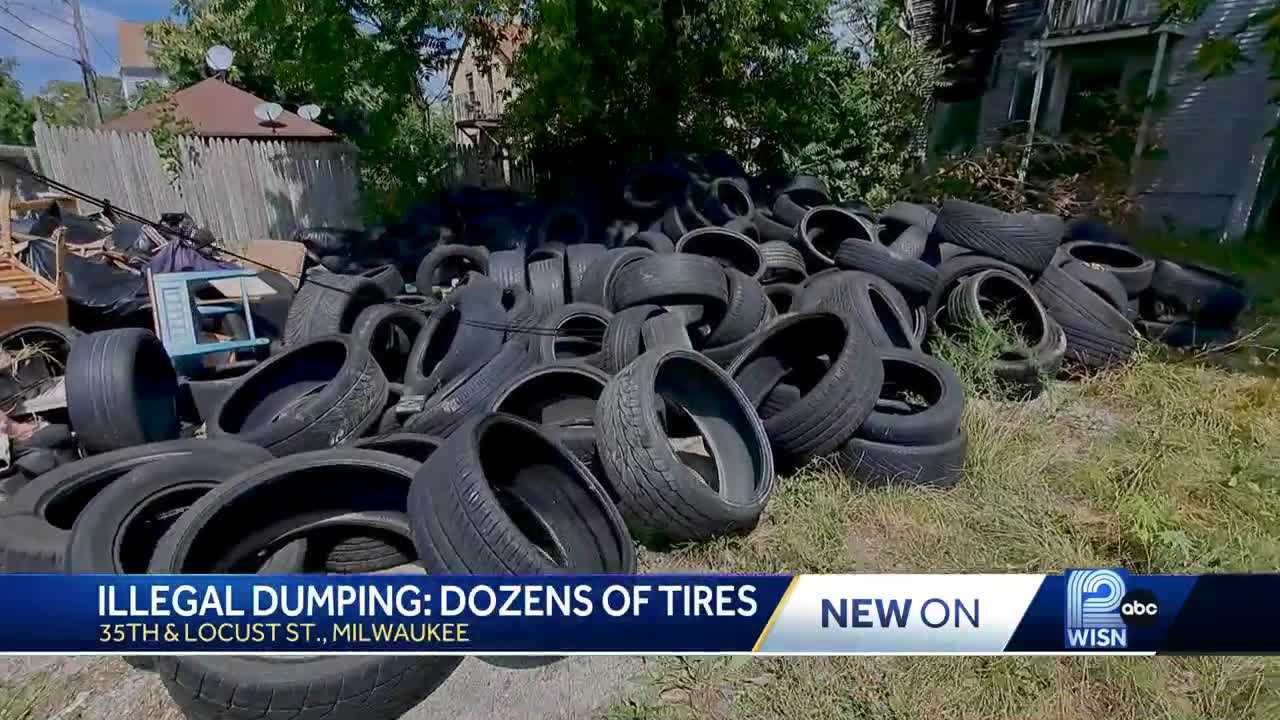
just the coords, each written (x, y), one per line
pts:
(310, 111)
(219, 58)
(268, 112)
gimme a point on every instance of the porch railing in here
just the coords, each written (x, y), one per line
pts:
(1074, 15)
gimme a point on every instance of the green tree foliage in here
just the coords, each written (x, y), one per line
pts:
(16, 115)
(362, 61)
(64, 103)
(625, 80)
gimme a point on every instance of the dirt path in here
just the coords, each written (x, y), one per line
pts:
(87, 688)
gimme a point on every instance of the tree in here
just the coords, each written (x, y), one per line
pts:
(363, 61)
(627, 80)
(16, 115)
(64, 103)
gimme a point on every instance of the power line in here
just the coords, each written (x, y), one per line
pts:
(40, 11)
(39, 47)
(102, 46)
(19, 18)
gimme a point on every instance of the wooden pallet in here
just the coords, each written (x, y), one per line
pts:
(28, 297)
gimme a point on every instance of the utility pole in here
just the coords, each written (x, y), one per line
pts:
(86, 69)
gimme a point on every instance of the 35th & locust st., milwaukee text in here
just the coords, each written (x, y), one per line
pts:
(267, 633)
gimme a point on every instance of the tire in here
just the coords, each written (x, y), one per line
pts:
(781, 397)
(313, 396)
(745, 226)
(36, 373)
(36, 521)
(660, 497)
(578, 260)
(414, 301)
(835, 399)
(1102, 282)
(1024, 240)
(910, 214)
(783, 263)
(523, 314)
(597, 286)
(783, 296)
(801, 195)
(501, 497)
(328, 304)
(726, 201)
(463, 333)
(506, 268)
(822, 229)
(1098, 334)
(562, 395)
(877, 306)
(1185, 333)
(771, 229)
(730, 249)
(447, 264)
(880, 464)
(933, 422)
(678, 279)
(389, 332)
(547, 284)
(654, 241)
(673, 223)
(1210, 297)
(414, 446)
(273, 496)
(386, 277)
(564, 225)
(468, 396)
(952, 272)
(1038, 353)
(117, 531)
(578, 337)
(911, 243)
(745, 312)
(623, 338)
(665, 331)
(1129, 267)
(121, 390)
(909, 275)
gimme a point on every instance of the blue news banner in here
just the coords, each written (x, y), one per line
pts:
(1081, 611)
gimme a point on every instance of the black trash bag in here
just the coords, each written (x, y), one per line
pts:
(81, 229)
(128, 237)
(101, 291)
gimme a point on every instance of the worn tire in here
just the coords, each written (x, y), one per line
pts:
(835, 399)
(121, 390)
(578, 337)
(623, 338)
(784, 297)
(506, 268)
(878, 464)
(1040, 352)
(1102, 282)
(783, 263)
(1098, 334)
(469, 395)
(730, 249)
(1208, 296)
(462, 333)
(745, 312)
(908, 274)
(910, 214)
(547, 284)
(312, 396)
(822, 229)
(1127, 265)
(328, 304)
(389, 333)
(597, 286)
(386, 277)
(660, 497)
(927, 378)
(678, 279)
(1024, 240)
(446, 264)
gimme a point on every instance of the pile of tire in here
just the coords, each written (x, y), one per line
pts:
(540, 408)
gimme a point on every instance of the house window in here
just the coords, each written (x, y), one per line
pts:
(471, 87)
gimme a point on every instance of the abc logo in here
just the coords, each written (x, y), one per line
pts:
(1139, 607)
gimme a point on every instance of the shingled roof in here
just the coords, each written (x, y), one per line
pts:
(216, 109)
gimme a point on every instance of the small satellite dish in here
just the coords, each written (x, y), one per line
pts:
(219, 58)
(268, 112)
(310, 111)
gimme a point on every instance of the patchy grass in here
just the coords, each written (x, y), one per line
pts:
(19, 701)
(1157, 467)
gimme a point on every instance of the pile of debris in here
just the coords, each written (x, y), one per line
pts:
(534, 402)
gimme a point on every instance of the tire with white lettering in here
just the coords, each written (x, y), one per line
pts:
(661, 497)
(36, 521)
(304, 496)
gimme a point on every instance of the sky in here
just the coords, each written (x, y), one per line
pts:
(48, 24)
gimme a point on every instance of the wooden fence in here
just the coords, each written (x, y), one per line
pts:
(241, 190)
(486, 166)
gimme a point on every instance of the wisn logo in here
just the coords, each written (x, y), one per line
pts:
(1094, 598)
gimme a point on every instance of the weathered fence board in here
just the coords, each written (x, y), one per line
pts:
(241, 190)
